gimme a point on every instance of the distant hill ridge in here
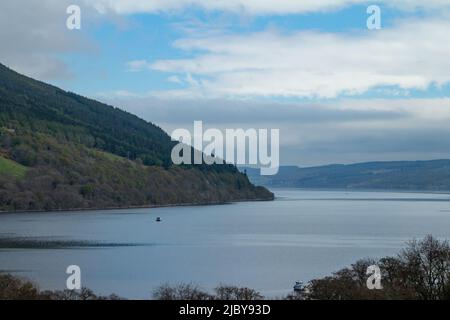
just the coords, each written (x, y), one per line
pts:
(59, 150)
(432, 175)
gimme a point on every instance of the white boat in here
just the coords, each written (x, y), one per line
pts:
(298, 287)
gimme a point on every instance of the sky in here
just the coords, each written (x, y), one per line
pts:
(338, 92)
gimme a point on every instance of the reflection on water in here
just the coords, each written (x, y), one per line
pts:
(263, 245)
(48, 243)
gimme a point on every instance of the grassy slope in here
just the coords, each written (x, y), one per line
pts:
(11, 168)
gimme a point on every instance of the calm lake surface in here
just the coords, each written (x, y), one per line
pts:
(263, 245)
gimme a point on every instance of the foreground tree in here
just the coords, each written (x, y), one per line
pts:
(224, 292)
(427, 268)
(420, 271)
(184, 291)
(14, 288)
(180, 291)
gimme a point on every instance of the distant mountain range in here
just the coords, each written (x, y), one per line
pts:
(431, 175)
(59, 150)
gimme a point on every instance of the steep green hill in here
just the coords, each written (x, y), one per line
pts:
(59, 150)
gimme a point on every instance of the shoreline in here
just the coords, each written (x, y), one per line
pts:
(169, 205)
(424, 191)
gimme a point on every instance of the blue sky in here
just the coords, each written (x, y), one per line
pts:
(338, 92)
(151, 37)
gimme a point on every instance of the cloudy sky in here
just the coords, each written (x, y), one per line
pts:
(338, 92)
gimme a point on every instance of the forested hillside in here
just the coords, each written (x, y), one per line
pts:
(59, 150)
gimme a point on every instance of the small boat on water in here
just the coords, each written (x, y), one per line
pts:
(298, 287)
(158, 219)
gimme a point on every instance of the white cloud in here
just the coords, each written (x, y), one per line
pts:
(257, 7)
(410, 55)
(137, 65)
(423, 110)
(344, 131)
(175, 79)
(34, 36)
